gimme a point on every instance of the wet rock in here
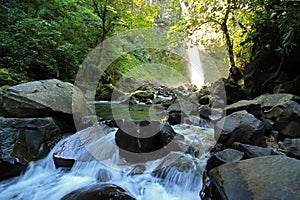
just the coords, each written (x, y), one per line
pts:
(104, 175)
(99, 191)
(178, 164)
(204, 100)
(142, 137)
(179, 111)
(221, 157)
(23, 140)
(9, 170)
(254, 151)
(138, 169)
(251, 106)
(241, 127)
(292, 147)
(47, 98)
(205, 111)
(268, 177)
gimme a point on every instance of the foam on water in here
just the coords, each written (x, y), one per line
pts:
(43, 181)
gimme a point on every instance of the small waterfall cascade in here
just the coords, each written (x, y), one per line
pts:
(159, 179)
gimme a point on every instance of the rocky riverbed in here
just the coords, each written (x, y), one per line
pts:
(248, 149)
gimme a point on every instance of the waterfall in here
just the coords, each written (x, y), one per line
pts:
(196, 72)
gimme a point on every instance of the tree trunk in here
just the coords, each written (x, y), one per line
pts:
(224, 28)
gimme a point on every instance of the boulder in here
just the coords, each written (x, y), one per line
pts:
(287, 117)
(99, 191)
(241, 127)
(292, 147)
(142, 137)
(228, 89)
(267, 101)
(268, 177)
(221, 157)
(176, 168)
(47, 98)
(252, 151)
(251, 106)
(23, 140)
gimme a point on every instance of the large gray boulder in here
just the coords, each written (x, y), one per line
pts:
(269, 177)
(46, 98)
(251, 106)
(23, 140)
(287, 118)
(221, 157)
(252, 151)
(270, 100)
(241, 127)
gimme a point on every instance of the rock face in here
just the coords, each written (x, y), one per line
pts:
(241, 127)
(47, 98)
(99, 191)
(269, 177)
(23, 140)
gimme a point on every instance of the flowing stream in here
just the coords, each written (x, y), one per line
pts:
(43, 181)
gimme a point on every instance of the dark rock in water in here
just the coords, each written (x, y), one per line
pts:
(138, 169)
(104, 175)
(241, 127)
(292, 147)
(221, 157)
(142, 137)
(175, 163)
(205, 111)
(268, 177)
(47, 98)
(228, 89)
(63, 162)
(254, 151)
(251, 106)
(287, 118)
(25, 139)
(97, 192)
(179, 111)
(8, 170)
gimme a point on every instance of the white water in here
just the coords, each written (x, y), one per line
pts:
(43, 181)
